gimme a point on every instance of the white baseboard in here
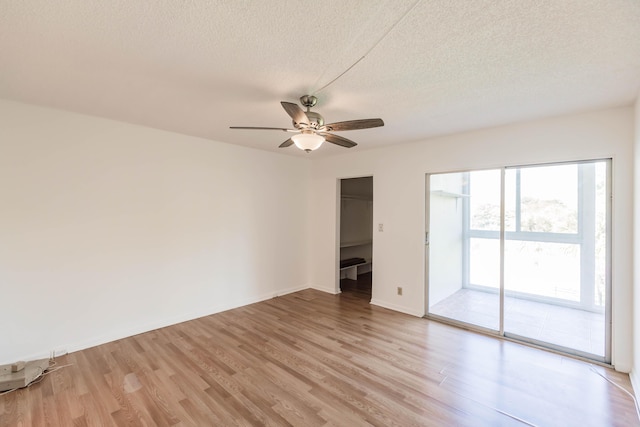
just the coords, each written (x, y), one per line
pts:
(287, 291)
(396, 307)
(331, 290)
(635, 381)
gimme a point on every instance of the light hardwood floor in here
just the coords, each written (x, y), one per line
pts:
(314, 359)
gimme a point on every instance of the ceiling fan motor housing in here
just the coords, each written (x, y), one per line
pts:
(316, 121)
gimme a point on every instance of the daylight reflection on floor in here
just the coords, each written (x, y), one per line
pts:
(577, 329)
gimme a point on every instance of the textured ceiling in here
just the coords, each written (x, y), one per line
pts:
(197, 67)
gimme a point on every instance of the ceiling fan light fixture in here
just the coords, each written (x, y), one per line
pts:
(307, 141)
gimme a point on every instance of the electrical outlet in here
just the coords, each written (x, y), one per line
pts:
(380, 227)
(399, 290)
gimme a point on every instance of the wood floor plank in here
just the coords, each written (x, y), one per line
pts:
(314, 359)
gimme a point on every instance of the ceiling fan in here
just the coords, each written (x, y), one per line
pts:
(310, 129)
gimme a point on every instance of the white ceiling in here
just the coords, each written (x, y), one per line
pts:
(197, 67)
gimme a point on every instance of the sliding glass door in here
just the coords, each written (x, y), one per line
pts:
(523, 252)
(459, 209)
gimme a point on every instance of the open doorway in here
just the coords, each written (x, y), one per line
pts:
(356, 233)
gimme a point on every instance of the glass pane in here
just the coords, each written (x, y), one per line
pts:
(455, 200)
(539, 269)
(555, 258)
(484, 204)
(549, 199)
(483, 268)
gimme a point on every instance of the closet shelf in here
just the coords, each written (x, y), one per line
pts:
(356, 243)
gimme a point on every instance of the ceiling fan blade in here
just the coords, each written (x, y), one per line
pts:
(338, 140)
(287, 143)
(354, 125)
(263, 128)
(295, 112)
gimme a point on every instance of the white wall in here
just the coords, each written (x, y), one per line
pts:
(635, 372)
(446, 239)
(109, 229)
(399, 196)
(355, 220)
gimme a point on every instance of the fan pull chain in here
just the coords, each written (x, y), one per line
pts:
(371, 48)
